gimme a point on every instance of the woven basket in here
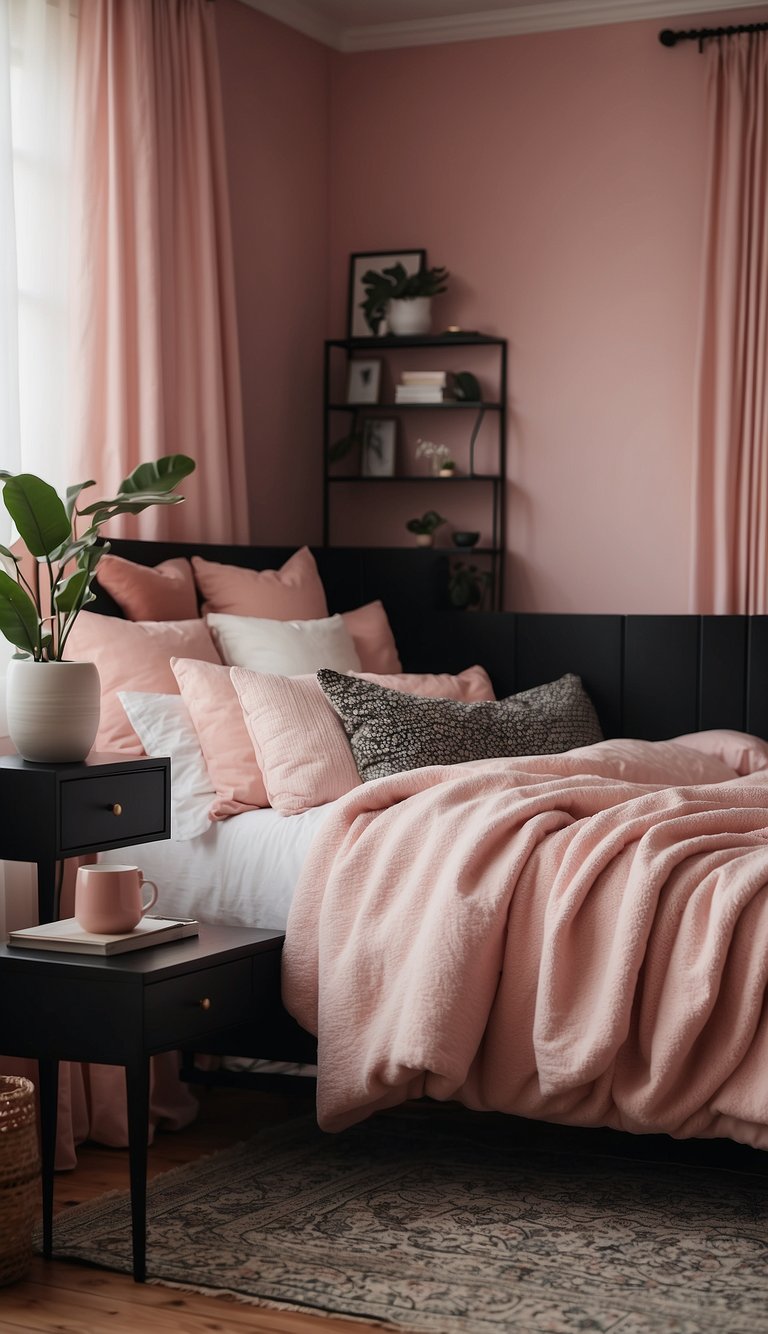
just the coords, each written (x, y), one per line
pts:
(19, 1176)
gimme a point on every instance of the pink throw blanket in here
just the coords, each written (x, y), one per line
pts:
(567, 938)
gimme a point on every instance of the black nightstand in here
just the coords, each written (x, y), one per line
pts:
(121, 1011)
(52, 811)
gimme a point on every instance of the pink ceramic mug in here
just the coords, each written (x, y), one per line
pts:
(108, 899)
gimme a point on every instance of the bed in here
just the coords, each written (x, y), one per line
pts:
(579, 936)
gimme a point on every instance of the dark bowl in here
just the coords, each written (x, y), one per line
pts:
(465, 539)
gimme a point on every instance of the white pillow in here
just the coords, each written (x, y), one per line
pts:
(164, 727)
(284, 648)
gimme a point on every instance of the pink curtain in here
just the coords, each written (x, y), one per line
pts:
(156, 352)
(157, 364)
(730, 553)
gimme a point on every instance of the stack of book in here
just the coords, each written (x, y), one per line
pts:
(69, 936)
(424, 387)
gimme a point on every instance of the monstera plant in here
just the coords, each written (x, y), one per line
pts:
(45, 707)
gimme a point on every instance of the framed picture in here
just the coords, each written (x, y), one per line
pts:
(411, 260)
(363, 381)
(379, 438)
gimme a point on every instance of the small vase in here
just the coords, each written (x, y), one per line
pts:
(53, 709)
(424, 539)
(412, 316)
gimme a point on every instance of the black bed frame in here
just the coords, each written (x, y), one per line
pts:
(649, 676)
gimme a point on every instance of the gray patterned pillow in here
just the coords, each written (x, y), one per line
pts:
(389, 731)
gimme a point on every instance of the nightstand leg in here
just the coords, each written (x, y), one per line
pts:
(46, 891)
(48, 1076)
(137, 1088)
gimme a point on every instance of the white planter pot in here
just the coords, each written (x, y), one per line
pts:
(424, 539)
(410, 317)
(53, 709)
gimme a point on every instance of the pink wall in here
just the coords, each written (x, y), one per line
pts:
(275, 91)
(560, 177)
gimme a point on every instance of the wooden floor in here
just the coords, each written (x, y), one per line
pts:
(66, 1298)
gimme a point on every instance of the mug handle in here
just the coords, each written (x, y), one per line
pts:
(145, 907)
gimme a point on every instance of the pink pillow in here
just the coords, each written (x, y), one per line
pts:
(164, 592)
(372, 635)
(134, 655)
(292, 593)
(224, 740)
(744, 753)
(300, 742)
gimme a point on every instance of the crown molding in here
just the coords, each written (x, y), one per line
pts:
(303, 18)
(534, 16)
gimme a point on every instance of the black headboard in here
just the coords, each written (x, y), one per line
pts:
(649, 676)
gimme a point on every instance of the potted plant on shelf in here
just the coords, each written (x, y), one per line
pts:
(403, 299)
(467, 586)
(53, 704)
(425, 527)
(442, 463)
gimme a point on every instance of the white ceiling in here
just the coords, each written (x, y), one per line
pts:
(367, 25)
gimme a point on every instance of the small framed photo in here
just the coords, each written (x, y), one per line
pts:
(411, 260)
(363, 381)
(379, 440)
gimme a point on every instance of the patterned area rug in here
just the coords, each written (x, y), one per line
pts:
(454, 1225)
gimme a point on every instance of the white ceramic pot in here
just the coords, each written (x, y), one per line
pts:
(424, 539)
(412, 316)
(53, 709)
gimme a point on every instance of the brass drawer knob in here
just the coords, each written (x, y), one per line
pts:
(205, 1003)
(117, 809)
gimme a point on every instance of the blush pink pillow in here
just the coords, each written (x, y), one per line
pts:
(134, 655)
(218, 720)
(292, 593)
(164, 592)
(373, 639)
(300, 742)
(742, 752)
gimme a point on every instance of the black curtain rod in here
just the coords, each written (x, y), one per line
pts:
(670, 38)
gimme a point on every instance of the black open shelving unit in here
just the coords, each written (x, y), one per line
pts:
(345, 350)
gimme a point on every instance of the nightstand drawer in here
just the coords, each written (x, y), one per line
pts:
(123, 807)
(188, 1007)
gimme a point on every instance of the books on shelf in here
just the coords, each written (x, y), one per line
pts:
(68, 936)
(423, 387)
(421, 393)
(440, 379)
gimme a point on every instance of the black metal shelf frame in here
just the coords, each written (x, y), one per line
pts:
(495, 552)
(454, 404)
(420, 478)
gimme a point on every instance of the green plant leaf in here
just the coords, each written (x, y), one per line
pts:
(73, 592)
(19, 621)
(158, 476)
(107, 508)
(72, 494)
(5, 551)
(340, 448)
(38, 513)
(428, 522)
(72, 550)
(433, 520)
